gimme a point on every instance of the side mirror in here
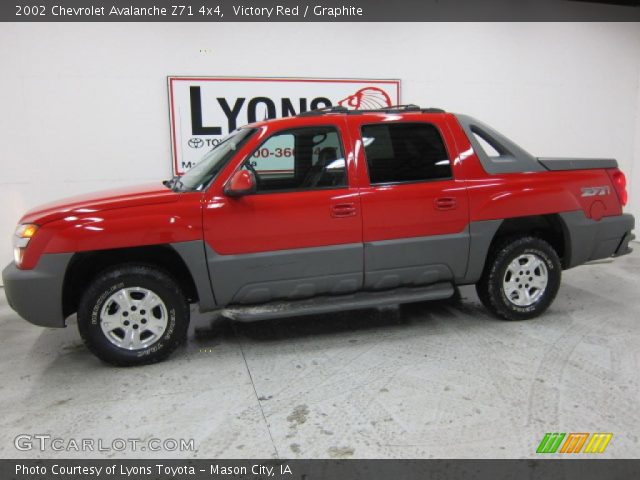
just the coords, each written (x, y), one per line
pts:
(243, 182)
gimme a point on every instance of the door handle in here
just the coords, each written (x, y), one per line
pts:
(445, 203)
(343, 210)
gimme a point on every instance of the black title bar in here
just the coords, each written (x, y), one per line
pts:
(316, 10)
(573, 469)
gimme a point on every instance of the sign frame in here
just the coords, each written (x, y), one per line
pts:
(172, 79)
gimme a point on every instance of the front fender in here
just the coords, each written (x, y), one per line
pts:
(118, 228)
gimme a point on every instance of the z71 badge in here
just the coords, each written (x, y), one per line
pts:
(595, 191)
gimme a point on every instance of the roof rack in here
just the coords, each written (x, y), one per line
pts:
(409, 107)
(324, 111)
(391, 109)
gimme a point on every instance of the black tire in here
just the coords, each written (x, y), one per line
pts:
(491, 289)
(172, 311)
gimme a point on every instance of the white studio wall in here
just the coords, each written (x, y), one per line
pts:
(85, 105)
(633, 176)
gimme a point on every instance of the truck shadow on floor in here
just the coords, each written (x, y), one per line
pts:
(222, 329)
(461, 310)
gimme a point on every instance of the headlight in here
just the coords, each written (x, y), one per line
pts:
(21, 238)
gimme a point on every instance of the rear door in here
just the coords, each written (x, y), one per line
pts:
(300, 234)
(414, 210)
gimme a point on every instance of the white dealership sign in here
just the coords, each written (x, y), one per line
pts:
(203, 110)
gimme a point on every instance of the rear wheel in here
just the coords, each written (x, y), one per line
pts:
(521, 278)
(133, 315)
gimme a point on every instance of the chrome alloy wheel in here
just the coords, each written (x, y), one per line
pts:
(525, 280)
(133, 318)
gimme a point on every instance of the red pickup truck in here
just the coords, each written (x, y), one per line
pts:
(329, 210)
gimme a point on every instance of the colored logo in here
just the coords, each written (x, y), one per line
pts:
(574, 443)
(367, 98)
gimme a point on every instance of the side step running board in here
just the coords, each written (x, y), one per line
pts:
(327, 304)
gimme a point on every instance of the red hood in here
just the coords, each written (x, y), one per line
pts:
(96, 202)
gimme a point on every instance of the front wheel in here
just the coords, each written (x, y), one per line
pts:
(133, 315)
(521, 278)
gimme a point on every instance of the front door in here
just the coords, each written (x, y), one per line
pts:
(300, 233)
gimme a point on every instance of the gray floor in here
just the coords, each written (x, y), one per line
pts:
(426, 380)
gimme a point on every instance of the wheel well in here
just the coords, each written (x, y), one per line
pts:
(85, 266)
(547, 227)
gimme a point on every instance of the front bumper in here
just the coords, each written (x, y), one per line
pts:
(36, 294)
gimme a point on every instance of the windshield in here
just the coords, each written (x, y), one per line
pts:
(199, 176)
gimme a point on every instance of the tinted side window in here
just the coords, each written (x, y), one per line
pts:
(300, 159)
(405, 152)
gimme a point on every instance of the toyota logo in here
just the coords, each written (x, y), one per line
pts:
(195, 142)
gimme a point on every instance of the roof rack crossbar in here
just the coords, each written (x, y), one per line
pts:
(409, 107)
(325, 110)
(394, 108)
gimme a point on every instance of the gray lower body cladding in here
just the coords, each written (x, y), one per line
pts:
(481, 235)
(415, 261)
(36, 294)
(285, 274)
(194, 257)
(337, 270)
(588, 239)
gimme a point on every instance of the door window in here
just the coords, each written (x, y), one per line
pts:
(300, 159)
(405, 152)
